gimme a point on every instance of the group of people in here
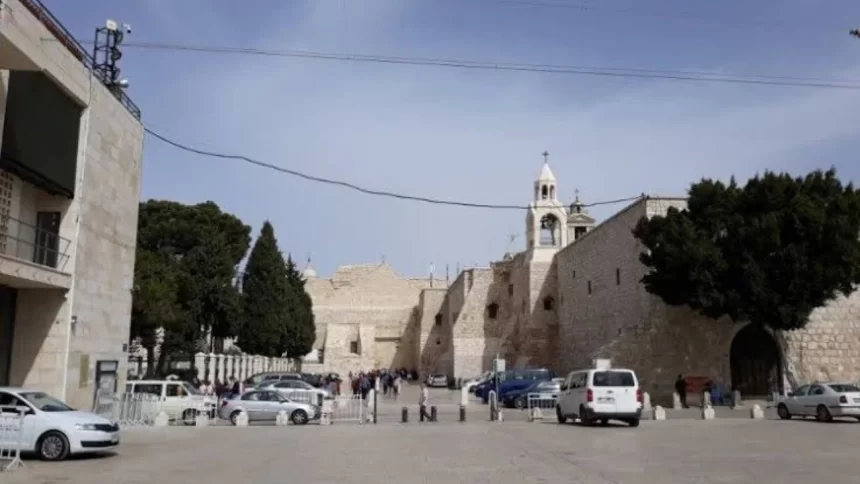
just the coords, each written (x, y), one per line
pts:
(390, 381)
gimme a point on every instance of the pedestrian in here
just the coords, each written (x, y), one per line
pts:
(681, 388)
(397, 382)
(422, 403)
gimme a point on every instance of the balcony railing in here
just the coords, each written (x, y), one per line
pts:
(28, 242)
(76, 49)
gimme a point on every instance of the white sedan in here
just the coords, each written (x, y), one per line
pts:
(50, 428)
(824, 401)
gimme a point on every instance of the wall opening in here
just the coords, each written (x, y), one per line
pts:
(492, 310)
(548, 303)
(589, 288)
(439, 319)
(617, 277)
(755, 363)
(353, 347)
(549, 230)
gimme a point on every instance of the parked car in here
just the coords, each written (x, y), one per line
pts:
(600, 395)
(437, 380)
(472, 383)
(265, 405)
(512, 380)
(824, 401)
(178, 399)
(297, 390)
(257, 379)
(52, 429)
(547, 391)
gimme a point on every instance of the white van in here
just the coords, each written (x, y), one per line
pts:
(179, 399)
(600, 395)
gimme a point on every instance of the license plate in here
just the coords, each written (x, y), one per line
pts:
(606, 400)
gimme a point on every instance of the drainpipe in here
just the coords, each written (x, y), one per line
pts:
(82, 158)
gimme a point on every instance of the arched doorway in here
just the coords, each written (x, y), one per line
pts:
(755, 362)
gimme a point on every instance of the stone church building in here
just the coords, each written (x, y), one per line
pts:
(573, 295)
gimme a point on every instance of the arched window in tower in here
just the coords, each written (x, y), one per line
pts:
(549, 230)
(493, 310)
(544, 192)
(552, 192)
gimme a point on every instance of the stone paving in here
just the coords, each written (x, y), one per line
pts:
(675, 451)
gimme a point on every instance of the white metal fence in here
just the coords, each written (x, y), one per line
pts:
(11, 439)
(348, 408)
(143, 409)
(541, 405)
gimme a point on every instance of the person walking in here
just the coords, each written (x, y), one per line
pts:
(681, 388)
(422, 403)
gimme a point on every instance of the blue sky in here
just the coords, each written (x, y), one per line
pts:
(473, 135)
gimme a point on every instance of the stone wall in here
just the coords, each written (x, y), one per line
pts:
(432, 357)
(477, 336)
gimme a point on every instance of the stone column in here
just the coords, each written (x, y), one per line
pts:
(231, 367)
(199, 365)
(210, 366)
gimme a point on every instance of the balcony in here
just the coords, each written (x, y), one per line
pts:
(32, 257)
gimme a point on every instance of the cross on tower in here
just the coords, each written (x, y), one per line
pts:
(545, 156)
(576, 193)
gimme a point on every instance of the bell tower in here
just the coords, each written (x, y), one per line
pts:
(545, 223)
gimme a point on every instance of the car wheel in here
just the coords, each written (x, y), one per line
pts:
(520, 403)
(561, 418)
(783, 412)
(584, 419)
(299, 417)
(234, 416)
(189, 416)
(634, 422)
(53, 446)
(822, 414)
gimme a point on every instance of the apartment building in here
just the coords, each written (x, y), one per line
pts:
(70, 165)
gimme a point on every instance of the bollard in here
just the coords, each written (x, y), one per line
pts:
(706, 399)
(433, 413)
(404, 415)
(282, 419)
(201, 420)
(162, 419)
(327, 409)
(736, 399)
(462, 413)
(708, 412)
(242, 419)
(756, 412)
(659, 413)
(646, 402)
(676, 401)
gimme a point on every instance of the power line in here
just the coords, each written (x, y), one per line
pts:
(699, 76)
(351, 186)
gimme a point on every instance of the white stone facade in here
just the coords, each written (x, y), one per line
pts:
(70, 317)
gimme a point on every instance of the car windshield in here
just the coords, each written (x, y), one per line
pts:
(190, 388)
(843, 388)
(548, 386)
(45, 402)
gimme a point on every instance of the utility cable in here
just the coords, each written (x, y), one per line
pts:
(495, 66)
(351, 186)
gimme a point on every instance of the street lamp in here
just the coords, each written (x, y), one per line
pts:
(855, 33)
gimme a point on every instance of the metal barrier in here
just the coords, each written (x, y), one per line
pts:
(127, 409)
(311, 398)
(348, 408)
(539, 404)
(11, 439)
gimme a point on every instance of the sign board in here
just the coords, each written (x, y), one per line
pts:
(601, 364)
(498, 365)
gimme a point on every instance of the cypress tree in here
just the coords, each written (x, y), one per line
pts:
(300, 334)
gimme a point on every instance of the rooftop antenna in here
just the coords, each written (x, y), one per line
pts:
(106, 53)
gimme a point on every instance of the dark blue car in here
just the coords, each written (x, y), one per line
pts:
(519, 398)
(511, 381)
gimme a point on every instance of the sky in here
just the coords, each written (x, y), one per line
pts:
(467, 134)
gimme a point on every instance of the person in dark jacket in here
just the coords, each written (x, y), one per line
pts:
(681, 388)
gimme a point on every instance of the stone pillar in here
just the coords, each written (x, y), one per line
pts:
(659, 413)
(676, 401)
(706, 399)
(220, 365)
(708, 412)
(210, 366)
(646, 401)
(756, 412)
(228, 368)
(736, 399)
(200, 366)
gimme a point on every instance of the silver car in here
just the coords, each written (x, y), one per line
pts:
(296, 390)
(265, 405)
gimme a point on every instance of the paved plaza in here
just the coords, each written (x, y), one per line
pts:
(679, 451)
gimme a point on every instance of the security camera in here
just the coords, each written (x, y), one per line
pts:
(123, 84)
(127, 28)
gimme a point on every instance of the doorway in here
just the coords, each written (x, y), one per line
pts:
(8, 296)
(755, 363)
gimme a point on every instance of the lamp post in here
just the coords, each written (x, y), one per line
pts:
(855, 33)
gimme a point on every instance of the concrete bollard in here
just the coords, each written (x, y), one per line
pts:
(162, 419)
(708, 412)
(462, 413)
(676, 401)
(404, 415)
(282, 419)
(706, 399)
(646, 401)
(756, 412)
(201, 420)
(464, 397)
(736, 399)
(242, 419)
(535, 414)
(433, 414)
(326, 411)
(659, 413)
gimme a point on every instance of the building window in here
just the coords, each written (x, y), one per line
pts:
(579, 232)
(439, 319)
(589, 288)
(574, 274)
(617, 277)
(510, 289)
(493, 310)
(548, 303)
(353, 347)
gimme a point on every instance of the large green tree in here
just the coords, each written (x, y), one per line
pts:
(190, 253)
(300, 334)
(769, 252)
(266, 296)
